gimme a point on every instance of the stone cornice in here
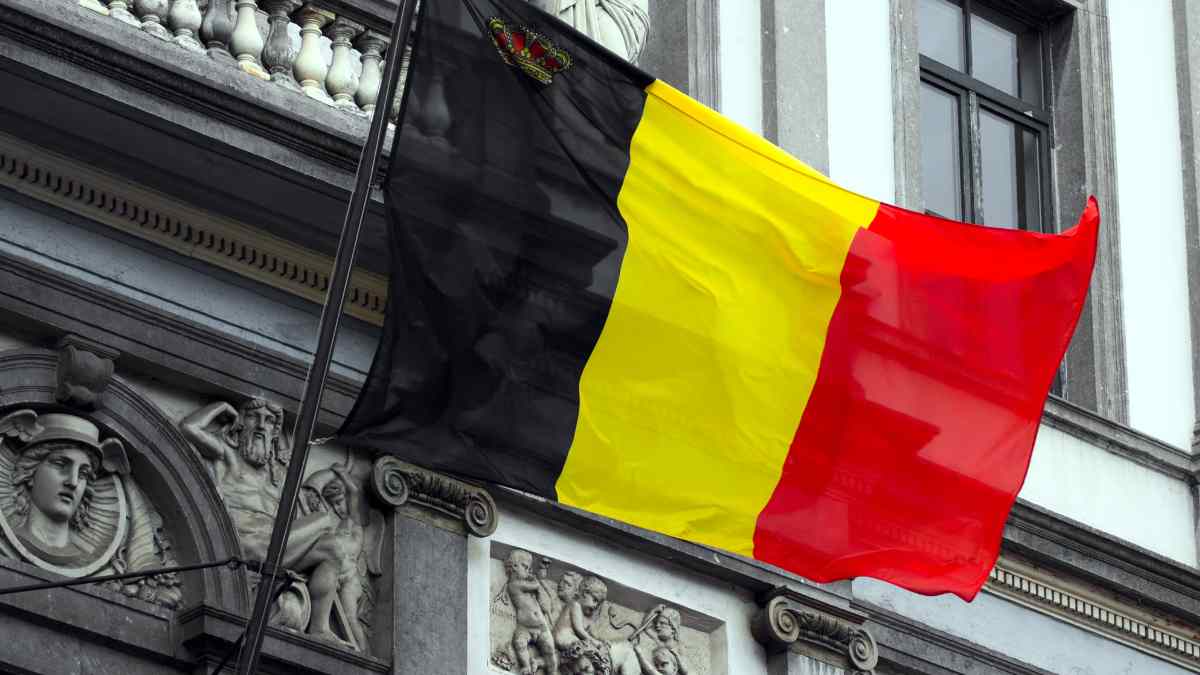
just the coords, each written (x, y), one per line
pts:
(1120, 440)
(1036, 589)
(189, 231)
(916, 647)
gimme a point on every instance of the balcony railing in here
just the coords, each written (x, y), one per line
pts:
(304, 47)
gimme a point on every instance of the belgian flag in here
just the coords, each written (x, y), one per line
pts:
(607, 294)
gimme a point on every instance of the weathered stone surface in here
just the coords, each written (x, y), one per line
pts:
(430, 598)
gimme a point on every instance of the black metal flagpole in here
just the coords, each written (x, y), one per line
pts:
(331, 314)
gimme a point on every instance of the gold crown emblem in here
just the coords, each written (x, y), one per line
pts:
(528, 50)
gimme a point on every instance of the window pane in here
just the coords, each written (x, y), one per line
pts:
(994, 55)
(940, 32)
(998, 155)
(941, 182)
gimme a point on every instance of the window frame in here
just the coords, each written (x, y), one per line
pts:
(974, 95)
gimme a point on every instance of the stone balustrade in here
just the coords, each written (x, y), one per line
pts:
(301, 46)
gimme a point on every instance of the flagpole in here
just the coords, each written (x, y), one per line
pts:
(331, 313)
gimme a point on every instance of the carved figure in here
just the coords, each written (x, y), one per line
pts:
(666, 629)
(530, 600)
(620, 25)
(348, 553)
(577, 605)
(68, 504)
(248, 454)
(662, 661)
(588, 658)
(575, 623)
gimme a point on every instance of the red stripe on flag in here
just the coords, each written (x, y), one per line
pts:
(919, 430)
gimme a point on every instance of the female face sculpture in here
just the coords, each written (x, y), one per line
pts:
(60, 482)
(53, 479)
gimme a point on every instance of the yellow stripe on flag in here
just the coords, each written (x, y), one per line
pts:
(691, 397)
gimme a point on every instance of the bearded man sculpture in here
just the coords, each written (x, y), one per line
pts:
(248, 456)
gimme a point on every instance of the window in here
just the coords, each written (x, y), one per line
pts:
(985, 127)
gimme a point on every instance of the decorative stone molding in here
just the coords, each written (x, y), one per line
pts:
(1045, 593)
(85, 368)
(188, 231)
(785, 622)
(398, 484)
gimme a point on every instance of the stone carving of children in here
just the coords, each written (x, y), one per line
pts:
(662, 661)
(666, 629)
(579, 615)
(529, 599)
(566, 591)
(339, 551)
(587, 658)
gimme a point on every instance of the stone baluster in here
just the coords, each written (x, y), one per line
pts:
(217, 29)
(309, 67)
(185, 19)
(372, 45)
(398, 96)
(246, 42)
(119, 10)
(151, 13)
(341, 82)
(95, 6)
(277, 55)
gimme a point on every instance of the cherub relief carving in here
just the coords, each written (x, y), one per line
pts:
(349, 553)
(69, 505)
(586, 635)
(531, 601)
(335, 537)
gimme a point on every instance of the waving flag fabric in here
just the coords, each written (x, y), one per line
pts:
(607, 294)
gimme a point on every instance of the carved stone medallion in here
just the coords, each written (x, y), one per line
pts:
(553, 618)
(69, 505)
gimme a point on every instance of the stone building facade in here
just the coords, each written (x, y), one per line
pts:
(172, 176)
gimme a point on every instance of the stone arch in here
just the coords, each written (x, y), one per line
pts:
(164, 463)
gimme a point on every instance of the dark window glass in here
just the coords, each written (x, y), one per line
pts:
(941, 177)
(940, 32)
(998, 164)
(984, 132)
(994, 55)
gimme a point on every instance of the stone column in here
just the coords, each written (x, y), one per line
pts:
(217, 29)
(309, 66)
(119, 10)
(431, 518)
(803, 640)
(246, 43)
(340, 81)
(277, 54)
(372, 45)
(152, 13)
(185, 19)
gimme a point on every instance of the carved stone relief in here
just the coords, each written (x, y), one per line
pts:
(552, 618)
(620, 25)
(336, 538)
(69, 502)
